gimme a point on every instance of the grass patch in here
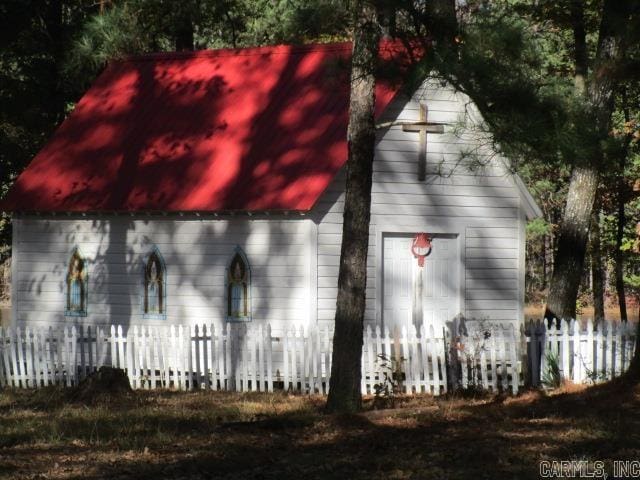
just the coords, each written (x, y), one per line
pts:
(161, 434)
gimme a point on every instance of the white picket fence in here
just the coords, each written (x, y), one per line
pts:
(244, 357)
(420, 358)
(488, 358)
(237, 358)
(581, 351)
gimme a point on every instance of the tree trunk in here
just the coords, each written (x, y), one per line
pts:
(565, 281)
(184, 33)
(634, 367)
(572, 241)
(619, 255)
(344, 395)
(54, 27)
(597, 270)
(621, 220)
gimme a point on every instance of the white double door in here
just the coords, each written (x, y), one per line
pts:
(413, 294)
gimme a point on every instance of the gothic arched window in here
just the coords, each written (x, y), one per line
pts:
(238, 288)
(154, 285)
(76, 304)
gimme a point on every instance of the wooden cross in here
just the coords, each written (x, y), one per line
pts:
(423, 127)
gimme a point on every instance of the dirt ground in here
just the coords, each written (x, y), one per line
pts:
(200, 435)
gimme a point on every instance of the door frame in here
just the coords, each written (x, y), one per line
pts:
(405, 231)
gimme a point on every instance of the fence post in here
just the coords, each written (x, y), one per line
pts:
(40, 358)
(590, 356)
(212, 351)
(515, 375)
(4, 370)
(452, 356)
(574, 333)
(532, 352)
(269, 354)
(609, 372)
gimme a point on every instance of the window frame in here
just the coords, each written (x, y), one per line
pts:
(163, 269)
(85, 284)
(227, 284)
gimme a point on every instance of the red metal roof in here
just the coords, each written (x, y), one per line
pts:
(251, 129)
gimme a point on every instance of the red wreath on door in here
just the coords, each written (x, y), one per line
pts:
(421, 247)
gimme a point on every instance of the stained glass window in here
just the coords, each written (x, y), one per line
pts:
(154, 285)
(238, 283)
(76, 285)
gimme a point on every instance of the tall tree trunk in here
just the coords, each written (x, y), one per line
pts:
(581, 57)
(545, 260)
(54, 25)
(597, 269)
(573, 233)
(621, 220)
(184, 33)
(572, 242)
(619, 255)
(344, 395)
(633, 373)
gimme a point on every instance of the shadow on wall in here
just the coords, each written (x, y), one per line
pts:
(454, 188)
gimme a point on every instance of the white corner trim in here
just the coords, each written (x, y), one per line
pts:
(531, 208)
(311, 248)
(462, 271)
(522, 245)
(379, 249)
(15, 231)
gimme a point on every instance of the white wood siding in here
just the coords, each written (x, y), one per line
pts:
(196, 253)
(482, 206)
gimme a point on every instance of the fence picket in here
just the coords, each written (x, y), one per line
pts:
(483, 367)
(269, 360)
(285, 358)
(37, 364)
(44, 359)
(609, 351)
(260, 365)
(29, 360)
(327, 358)
(223, 364)
(413, 359)
(575, 351)
(625, 347)
(369, 342)
(6, 367)
(253, 363)
(227, 358)
(618, 350)
(21, 362)
(503, 359)
(588, 352)
(294, 360)
(155, 358)
(515, 376)
(304, 360)
(212, 351)
(313, 361)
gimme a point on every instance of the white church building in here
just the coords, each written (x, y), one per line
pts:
(209, 187)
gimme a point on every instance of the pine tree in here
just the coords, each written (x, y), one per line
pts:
(344, 394)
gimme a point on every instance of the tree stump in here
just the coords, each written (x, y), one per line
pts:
(106, 383)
